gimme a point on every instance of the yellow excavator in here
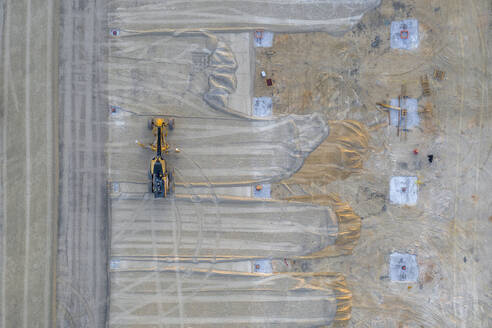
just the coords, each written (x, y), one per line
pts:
(162, 181)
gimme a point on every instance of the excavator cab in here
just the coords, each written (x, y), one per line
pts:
(162, 182)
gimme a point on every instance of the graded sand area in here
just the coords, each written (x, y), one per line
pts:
(53, 192)
(204, 81)
(83, 224)
(221, 150)
(210, 298)
(29, 147)
(343, 78)
(232, 15)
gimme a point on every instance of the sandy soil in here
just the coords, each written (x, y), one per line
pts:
(232, 15)
(155, 67)
(83, 224)
(28, 155)
(344, 78)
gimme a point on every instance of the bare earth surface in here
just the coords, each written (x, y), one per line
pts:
(84, 244)
(82, 278)
(29, 149)
(447, 230)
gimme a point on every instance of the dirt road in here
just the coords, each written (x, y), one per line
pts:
(29, 138)
(82, 279)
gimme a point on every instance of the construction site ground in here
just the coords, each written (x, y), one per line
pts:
(283, 220)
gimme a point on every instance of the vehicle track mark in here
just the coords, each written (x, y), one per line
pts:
(27, 88)
(6, 64)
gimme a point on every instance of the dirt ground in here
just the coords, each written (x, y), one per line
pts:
(28, 189)
(276, 221)
(344, 77)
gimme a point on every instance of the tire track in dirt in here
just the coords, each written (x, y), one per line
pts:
(6, 59)
(27, 87)
(468, 312)
(82, 268)
(27, 231)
